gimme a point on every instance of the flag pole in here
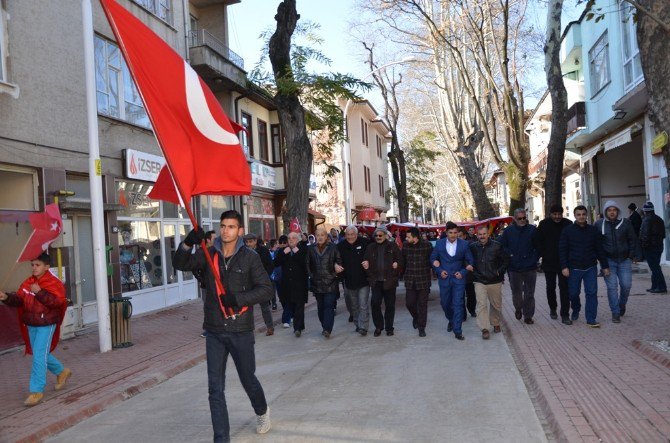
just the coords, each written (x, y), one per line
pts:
(95, 180)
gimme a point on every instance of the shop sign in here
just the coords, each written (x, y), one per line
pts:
(659, 142)
(263, 176)
(142, 166)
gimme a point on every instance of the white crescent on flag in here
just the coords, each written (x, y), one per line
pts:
(200, 113)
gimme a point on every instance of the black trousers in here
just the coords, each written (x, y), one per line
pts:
(298, 310)
(380, 294)
(550, 277)
(470, 300)
(416, 301)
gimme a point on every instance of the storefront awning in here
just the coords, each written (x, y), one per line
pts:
(618, 139)
(588, 155)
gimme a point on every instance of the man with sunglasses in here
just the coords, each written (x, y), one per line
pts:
(518, 241)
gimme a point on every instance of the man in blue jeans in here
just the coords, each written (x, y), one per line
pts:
(237, 270)
(579, 248)
(620, 245)
(652, 233)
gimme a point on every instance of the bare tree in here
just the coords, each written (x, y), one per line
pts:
(553, 184)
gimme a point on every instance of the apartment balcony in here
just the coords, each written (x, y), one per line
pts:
(208, 3)
(216, 63)
(576, 117)
(571, 47)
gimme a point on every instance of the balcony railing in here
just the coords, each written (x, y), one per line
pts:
(204, 38)
(576, 117)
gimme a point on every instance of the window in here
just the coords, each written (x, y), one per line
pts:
(379, 146)
(366, 177)
(3, 51)
(632, 68)
(275, 139)
(247, 136)
(599, 64)
(140, 254)
(381, 186)
(159, 8)
(23, 183)
(363, 130)
(263, 140)
(349, 172)
(366, 134)
(117, 95)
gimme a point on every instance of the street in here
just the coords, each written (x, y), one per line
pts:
(346, 388)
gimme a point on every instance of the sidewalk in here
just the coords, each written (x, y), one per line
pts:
(593, 385)
(165, 343)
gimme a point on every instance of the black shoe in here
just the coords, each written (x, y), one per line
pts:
(326, 334)
(351, 319)
(553, 315)
(465, 317)
(517, 314)
(323, 332)
(363, 332)
(422, 332)
(651, 289)
(298, 333)
(575, 316)
(450, 327)
(274, 306)
(659, 291)
(622, 310)
(389, 333)
(415, 324)
(566, 321)
(473, 314)
(459, 336)
(378, 332)
(528, 321)
(616, 318)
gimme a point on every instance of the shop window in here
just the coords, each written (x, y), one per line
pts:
(171, 243)
(23, 185)
(135, 201)
(140, 255)
(80, 186)
(116, 93)
(261, 217)
(170, 210)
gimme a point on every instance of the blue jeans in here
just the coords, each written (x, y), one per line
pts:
(653, 257)
(589, 276)
(240, 345)
(325, 305)
(618, 283)
(40, 341)
(451, 300)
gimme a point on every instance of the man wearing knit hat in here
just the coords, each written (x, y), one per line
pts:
(634, 218)
(620, 245)
(652, 233)
(546, 242)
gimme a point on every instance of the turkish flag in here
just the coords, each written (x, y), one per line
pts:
(47, 226)
(198, 140)
(295, 226)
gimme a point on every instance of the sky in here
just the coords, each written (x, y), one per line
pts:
(249, 18)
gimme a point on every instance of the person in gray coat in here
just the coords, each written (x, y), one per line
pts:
(324, 263)
(621, 247)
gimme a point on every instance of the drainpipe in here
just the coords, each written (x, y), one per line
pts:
(187, 29)
(237, 120)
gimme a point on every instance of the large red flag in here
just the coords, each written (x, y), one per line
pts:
(197, 139)
(47, 226)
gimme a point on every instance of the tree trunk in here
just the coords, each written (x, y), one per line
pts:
(398, 169)
(553, 183)
(291, 116)
(517, 181)
(654, 43)
(473, 177)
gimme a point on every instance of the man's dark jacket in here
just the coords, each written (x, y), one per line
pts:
(547, 235)
(321, 266)
(652, 232)
(580, 247)
(418, 271)
(636, 221)
(619, 239)
(490, 262)
(391, 254)
(294, 275)
(245, 277)
(266, 258)
(352, 257)
(518, 242)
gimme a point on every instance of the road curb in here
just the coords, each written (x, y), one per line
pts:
(652, 353)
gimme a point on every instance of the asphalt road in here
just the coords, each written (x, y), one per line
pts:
(346, 388)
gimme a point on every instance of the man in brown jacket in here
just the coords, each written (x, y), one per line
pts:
(418, 274)
(383, 264)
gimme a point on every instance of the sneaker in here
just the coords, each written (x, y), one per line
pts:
(616, 318)
(270, 331)
(497, 329)
(622, 310)
(566, 321)
(204, 334)
(263, 424)
(553, 315)
(285, 325)
(62, 378)
(298, 333)
(593, 325)
(363, 332)
(33, 399)
(485, 334)
(517, 314)
(422, 332)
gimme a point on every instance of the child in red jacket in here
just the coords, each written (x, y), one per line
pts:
(41, 307)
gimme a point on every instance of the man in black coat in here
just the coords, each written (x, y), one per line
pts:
(635, 218)
(490, 261)
(240, 271)
(652, 233)
(294, 279)
(546, 242)
(418, 277)
(251, 241)
(356, 286)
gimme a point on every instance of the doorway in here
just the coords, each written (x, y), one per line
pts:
(85, 302)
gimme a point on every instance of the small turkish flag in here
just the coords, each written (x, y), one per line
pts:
(295, 225)
(47, 227)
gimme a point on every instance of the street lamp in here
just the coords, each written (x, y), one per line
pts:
(346, 148)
